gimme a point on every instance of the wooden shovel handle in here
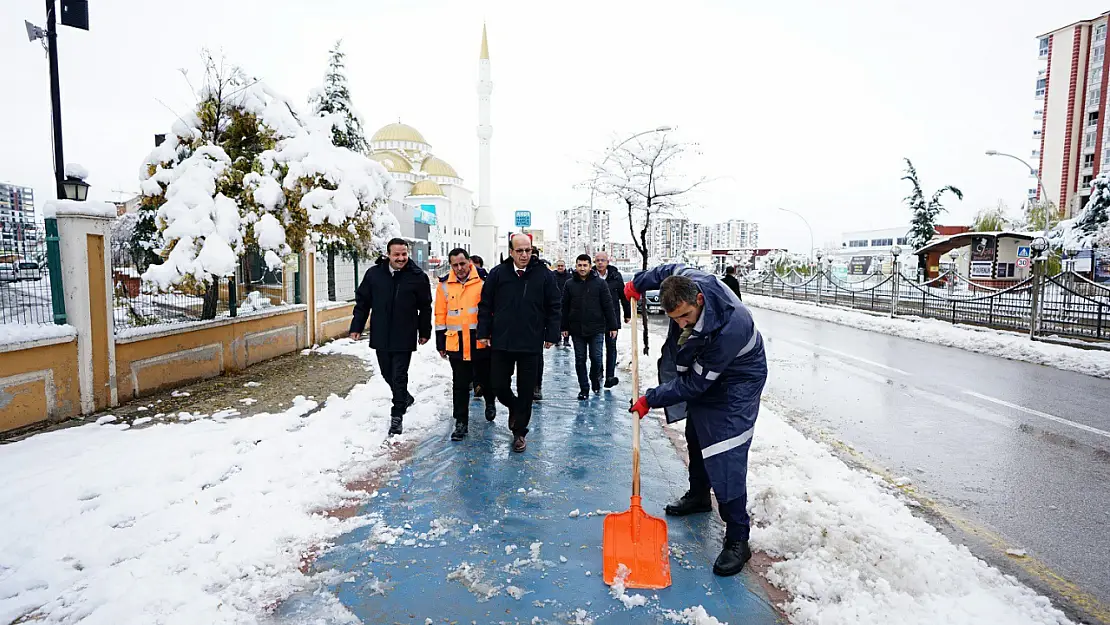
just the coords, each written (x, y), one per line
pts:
(635, 396)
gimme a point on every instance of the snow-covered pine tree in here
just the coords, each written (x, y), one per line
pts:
(1093, 223)
(334, 98)
(923, 224)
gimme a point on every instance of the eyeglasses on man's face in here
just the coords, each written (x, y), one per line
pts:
(523, 250)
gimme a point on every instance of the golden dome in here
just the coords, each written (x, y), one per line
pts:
(427, 187)
(435, 166)
(393, 162)
(398, 132)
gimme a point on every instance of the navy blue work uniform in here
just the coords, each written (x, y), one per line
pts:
(713, 377)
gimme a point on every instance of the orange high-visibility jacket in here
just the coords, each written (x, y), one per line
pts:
(457, 313)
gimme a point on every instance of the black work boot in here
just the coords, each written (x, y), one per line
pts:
(394, 426)
(690, 503)
(583, 395)
(733, 557)
(611, 382)
(491, 411)
(410, 402)
(460, 431)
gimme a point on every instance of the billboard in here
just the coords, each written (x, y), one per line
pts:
(1102, 265)
(982, 249)
(859, 266)
(426, 214)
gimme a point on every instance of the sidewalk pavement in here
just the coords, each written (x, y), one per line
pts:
(471, 532)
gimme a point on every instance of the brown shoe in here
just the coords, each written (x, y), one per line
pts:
(518, 443)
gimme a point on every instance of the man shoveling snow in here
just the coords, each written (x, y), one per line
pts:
(712, 370)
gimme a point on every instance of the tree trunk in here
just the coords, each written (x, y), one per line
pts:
(211, 299)
(331, 273)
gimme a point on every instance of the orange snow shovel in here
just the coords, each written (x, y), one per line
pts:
(634, 538)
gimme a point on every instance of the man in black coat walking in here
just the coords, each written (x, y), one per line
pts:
(518, 317)
(731, 282)
(615, 281)
(561, 278)
(588, 317)
(397, 297)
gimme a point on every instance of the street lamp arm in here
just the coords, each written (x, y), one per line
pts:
(806, 222)
(1040, 183)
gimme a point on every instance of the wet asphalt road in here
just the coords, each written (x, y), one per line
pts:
(1020, 450)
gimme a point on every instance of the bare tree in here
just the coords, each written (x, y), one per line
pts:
(645, 174)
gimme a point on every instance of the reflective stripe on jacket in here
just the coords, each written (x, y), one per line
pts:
(457, 313)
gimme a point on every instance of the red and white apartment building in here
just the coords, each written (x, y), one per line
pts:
(1071, 139)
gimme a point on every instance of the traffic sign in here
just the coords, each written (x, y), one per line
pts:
(524, 219)
(1022, 262)
(1023, 252)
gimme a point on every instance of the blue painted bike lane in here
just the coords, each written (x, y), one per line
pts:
(470, 532)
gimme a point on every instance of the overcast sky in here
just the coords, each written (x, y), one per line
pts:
(809, 105)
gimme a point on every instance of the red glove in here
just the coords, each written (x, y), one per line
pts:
(630, 292)
(640, 407)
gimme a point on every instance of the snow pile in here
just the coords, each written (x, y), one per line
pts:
(854, 554)
(473, 579)
(199, 522)
(617, 590)
(991, 342)
(254, 302)
(75, 170)
(692, 616)
(57, 208)
(11, 333)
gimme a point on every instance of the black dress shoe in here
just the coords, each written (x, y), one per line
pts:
(690, 503)
(518, 443)
(733, 557)
(583, 395)
(394, 426)
(611, 382)
(491, 412)
(460, 431)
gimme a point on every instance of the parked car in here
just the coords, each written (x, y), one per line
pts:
(9, 272)
(29, 270)
(651, 300)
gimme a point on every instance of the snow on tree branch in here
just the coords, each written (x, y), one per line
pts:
(244, 171)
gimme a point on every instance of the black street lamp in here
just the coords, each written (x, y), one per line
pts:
(1039, 245)
(75, 188)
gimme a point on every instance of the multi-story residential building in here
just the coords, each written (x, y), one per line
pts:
(669, 238)
(1070, 137)
(581, 230)
(19, 233)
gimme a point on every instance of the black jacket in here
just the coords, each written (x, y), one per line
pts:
(561, 278)
(733, 284)
(519, 313)
(588, 307)
(401, 304)
(615, 281)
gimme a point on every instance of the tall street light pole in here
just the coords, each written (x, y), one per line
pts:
(806, 222)
(1040, 184)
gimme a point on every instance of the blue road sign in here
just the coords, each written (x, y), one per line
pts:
(1023, 251)
(524, 219)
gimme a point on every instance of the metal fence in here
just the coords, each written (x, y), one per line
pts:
(348, 272)
(133, 306)
(1065, 305)
(25, 285)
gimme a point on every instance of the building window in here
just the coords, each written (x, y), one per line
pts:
(1095, 96)
(1043, 47)
(1089, 140)
(881, 242)
(902, 240)
(1036, 154)
(1098, 53)
(1088, 161)
(1100, 33)
(1040, 87)
(1092, 118)
(1087, 181)
(1096, 75)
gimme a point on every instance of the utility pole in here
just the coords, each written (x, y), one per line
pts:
(55, 95)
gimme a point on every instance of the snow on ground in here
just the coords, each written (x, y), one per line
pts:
(25, 332)
(984, 341)
(199, 522)
(852, 552)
